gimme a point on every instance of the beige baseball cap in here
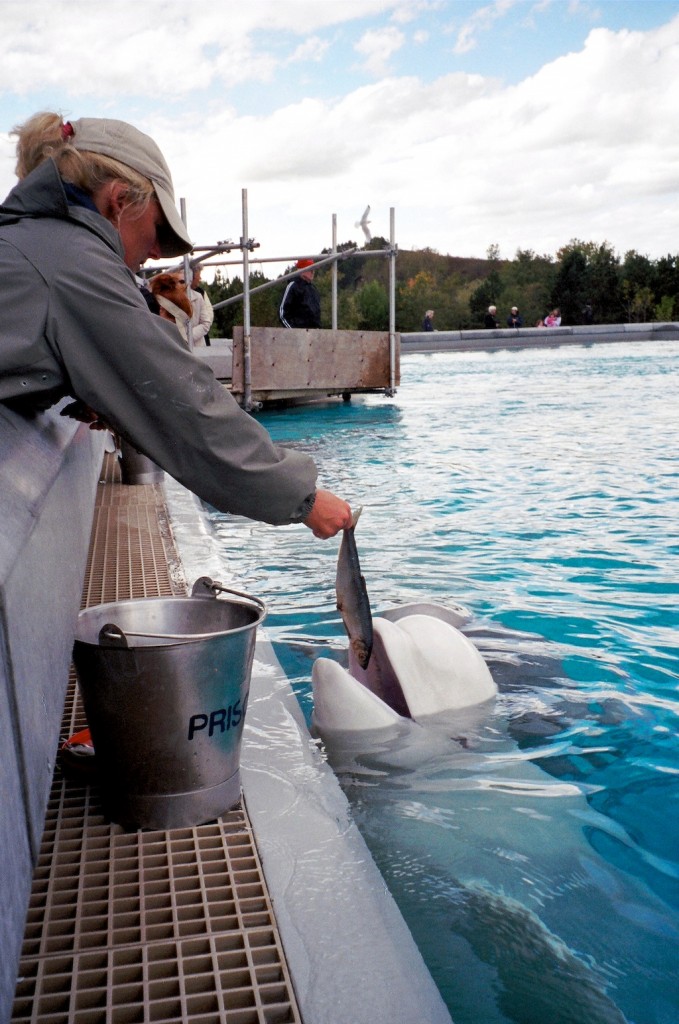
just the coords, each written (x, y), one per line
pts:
(124, 142)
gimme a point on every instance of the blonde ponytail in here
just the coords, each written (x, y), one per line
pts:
(47, 135)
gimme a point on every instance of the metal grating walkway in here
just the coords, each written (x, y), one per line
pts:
(146, 926)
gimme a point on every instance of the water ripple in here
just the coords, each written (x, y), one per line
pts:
(541, 491)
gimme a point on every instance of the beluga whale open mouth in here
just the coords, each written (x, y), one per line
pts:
(409, 663)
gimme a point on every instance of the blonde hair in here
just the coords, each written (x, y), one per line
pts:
(44, 135)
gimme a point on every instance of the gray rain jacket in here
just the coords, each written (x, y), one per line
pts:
(73, 322)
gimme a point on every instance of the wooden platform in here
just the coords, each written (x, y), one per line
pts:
(303, 365)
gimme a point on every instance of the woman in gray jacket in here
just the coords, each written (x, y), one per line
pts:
(95, 200)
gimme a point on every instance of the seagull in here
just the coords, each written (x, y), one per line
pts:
(363, 223)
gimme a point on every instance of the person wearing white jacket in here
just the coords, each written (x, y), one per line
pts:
(203, 313)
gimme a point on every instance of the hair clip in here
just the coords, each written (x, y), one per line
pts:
(67, 130)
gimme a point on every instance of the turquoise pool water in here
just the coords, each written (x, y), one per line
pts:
(534, 854)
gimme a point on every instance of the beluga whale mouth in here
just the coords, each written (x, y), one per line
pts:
(407, 664)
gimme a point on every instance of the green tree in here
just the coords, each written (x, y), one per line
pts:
(666, 279)
(587, 272)
(485, 295)
(638, 302)
(604, 282)
(527, 282)
(460, 290)
(664, 310)
(571, 289)
(372, 304)
(413, 297)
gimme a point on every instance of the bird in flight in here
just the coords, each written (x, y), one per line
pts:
(363, 223)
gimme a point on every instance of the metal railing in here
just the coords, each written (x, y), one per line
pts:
(247, 245)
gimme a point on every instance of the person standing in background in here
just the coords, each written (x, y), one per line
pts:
(301, 303)
(490, 319)
(203, 314)
(514, 319)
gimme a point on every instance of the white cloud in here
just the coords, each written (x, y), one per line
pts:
(482, 20)
(312, 49)
(155, 47)
(570, 152)
(377, 47)
(585, 148)
(410, 11)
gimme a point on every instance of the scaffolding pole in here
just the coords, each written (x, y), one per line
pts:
(188, 274)
(392, 300)
(334, 273)
(247, 338)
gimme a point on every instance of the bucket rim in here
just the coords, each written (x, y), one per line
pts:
(247, 601)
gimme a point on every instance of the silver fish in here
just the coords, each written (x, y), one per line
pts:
(352, 597)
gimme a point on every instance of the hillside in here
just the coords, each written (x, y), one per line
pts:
(460, 289)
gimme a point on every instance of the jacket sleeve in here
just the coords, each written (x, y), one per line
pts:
(203, 322)
(133, 369)
(286, 312)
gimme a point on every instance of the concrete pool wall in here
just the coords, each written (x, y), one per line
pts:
(49, 467)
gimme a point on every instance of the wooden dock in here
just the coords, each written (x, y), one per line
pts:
(292, 365)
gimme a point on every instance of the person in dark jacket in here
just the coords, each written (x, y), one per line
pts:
(301, 303)
(94, 201)
(490, 319)
(428, 322)
(514, 319)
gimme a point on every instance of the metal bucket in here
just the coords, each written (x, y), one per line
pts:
(165, 684)
(136, 468)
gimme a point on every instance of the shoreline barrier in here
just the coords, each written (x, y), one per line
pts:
(535, 337)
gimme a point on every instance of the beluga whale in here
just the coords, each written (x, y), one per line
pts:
(407, 664)
(503, 858)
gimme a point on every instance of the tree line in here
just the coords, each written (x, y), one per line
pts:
(633, 288)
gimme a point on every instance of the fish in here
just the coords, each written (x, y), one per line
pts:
(353, 603)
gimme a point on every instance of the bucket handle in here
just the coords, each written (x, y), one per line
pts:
(207, 587)
(111, 635)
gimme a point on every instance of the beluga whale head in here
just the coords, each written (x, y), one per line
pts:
(408, 664)
(420, 666)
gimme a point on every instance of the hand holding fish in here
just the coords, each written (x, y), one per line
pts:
(328, 516)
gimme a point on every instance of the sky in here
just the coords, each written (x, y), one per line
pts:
(521, 124)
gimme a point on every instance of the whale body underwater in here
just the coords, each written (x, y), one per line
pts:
(502, 853)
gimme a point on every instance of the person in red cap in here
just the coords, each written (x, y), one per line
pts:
(301, 303)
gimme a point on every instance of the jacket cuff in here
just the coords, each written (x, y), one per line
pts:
(305, 508)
